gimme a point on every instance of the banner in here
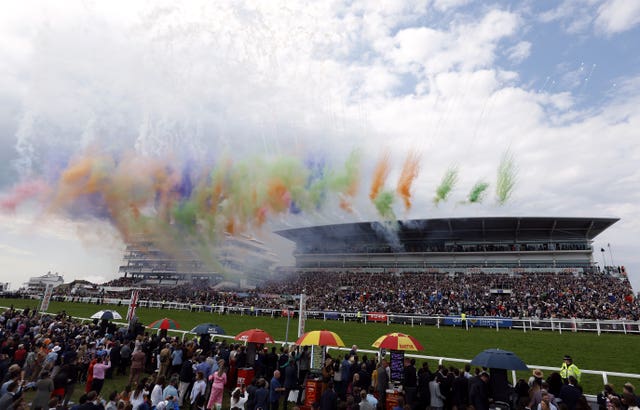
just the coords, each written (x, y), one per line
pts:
(485, 321)
(301, 315)
(48, 291)
(133, 304)
(376, 317)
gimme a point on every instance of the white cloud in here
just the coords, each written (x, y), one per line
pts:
(280, 77)
(616, 16)
(519, 52)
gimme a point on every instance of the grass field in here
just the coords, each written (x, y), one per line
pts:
(610, 352)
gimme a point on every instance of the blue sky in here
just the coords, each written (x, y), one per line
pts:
(556, 83)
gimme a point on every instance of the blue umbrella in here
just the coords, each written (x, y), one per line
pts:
(499, 359)
(208, 329)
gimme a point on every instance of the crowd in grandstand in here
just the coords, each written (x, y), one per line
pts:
(543, 295)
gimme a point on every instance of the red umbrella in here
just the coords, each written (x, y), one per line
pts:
(164, 324)
(255, 336)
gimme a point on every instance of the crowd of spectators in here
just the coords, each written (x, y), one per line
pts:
(595, 295)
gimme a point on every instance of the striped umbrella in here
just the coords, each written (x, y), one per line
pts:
(397, 341)
(106, 315)
(320, 338)
(164, 324)
(255, 336)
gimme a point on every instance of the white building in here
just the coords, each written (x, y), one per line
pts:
(37, 284)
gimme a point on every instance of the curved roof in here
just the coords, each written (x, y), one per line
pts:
(454, 229)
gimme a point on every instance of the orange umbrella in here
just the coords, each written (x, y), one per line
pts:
(255, 336)
(397, 341)
(320, 338)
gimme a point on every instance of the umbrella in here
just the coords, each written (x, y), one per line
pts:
(320, 338)
(164, 323)
(499, 359)
(106, 315)
(397, 341)
(255, 336)
(208, 329)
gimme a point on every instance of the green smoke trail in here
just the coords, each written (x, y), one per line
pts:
(383, 203)
(507, 175)
(446, 185)
(478, 192)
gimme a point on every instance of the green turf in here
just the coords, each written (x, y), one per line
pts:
(611, 352)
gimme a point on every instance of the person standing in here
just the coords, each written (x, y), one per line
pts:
(410, 382)
(137, 365)
(99, 371)
(44, 387)
(382, 383)
(329, 398)
(568, 368)
(219, 379)
(275, 391)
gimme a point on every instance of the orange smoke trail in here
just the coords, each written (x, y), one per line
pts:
(410, 171)
(380, 175)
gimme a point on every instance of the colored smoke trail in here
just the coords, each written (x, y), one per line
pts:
(347, 182)
(507, 175)
(447, 184)
(409, 173)
(23, 192)
(478, 192)
(380, 174)
(384, 204)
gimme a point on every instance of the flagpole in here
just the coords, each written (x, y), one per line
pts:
(610, 254)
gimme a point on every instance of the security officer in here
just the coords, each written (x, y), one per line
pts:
(569, 369)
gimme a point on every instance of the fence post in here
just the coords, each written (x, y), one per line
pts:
(604, 378)
(524, 329)
(344, 318)
(411, 321)
(514, 377)
(560, 326)
(438, 323)
(598, 327)
(388, 320)
(497, 327)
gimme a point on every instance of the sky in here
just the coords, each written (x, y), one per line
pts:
(456, 83)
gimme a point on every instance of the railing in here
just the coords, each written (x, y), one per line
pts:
(440, 359)
(524, 324)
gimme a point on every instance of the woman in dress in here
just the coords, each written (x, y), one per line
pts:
(217, 388)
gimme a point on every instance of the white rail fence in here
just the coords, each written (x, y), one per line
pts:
(524, 324)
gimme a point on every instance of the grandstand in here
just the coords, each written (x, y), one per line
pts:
(244, 259)
(495, 244)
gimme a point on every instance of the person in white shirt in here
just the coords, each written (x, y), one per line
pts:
(238, 398)
(199, 387)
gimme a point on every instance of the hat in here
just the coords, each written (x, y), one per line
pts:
(484, 374)
(537, 373)
(567, 357)
(56, 348)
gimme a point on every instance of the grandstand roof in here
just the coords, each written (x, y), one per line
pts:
(456, 229)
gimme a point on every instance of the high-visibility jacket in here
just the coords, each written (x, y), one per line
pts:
(571, 370)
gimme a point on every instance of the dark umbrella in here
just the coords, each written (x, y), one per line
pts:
(499, 359)
(208, 329)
